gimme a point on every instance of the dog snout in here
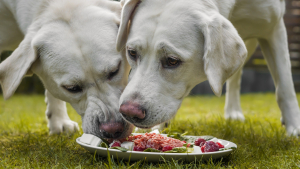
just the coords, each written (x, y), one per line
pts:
(132, 110)
(112, 130)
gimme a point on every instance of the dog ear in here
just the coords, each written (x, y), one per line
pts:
(122, 2)
(224, 51)
(16, 66)
(128, 9)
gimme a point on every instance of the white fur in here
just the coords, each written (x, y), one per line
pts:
(65, 43)
(209, 37)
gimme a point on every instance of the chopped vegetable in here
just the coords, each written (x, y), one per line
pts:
(232, 148)
(177, 150)
(120, 148)
(151, 150)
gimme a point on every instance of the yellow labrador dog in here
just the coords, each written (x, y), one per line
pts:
(172, 45)
(70, 45)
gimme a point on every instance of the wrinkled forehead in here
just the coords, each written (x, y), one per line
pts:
(84, 45)
(96, 28)
(172, 25)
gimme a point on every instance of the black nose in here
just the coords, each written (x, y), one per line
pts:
(112, 130)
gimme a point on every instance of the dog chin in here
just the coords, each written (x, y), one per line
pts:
(143, 127)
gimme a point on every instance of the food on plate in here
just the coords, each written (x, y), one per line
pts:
(150, 142)
(127, 144)
(200, 142)
(115, 143)
(155, 142)
(208, 146)
(220, 145)
(90, 139)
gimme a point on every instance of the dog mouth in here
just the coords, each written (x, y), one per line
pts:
(115, 130)
(143, 127)
(108, 130)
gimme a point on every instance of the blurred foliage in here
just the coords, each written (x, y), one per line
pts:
(29, 84)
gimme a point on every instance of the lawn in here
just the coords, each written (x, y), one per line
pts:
(261, 140)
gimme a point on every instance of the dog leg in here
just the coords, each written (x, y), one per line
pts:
(275, 50)
(233, 108)
(57, 116)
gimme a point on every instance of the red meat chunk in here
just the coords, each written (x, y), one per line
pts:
(156, 141)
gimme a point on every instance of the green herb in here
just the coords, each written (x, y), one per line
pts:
(103, 145)
(190, 150)
(180, 149)
(105, 141)
(120, 148)
(207, 138)
(151, 150)
(177, 150)
(175, 134)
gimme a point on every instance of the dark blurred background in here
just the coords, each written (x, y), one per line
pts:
(256, 77)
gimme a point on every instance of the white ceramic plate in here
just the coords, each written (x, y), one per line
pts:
(155, 157)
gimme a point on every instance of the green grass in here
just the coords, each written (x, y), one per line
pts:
(261, 140)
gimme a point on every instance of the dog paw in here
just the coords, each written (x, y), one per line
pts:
(292, 129)
(235, 115)
(63, 126)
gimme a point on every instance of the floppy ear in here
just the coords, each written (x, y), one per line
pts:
(122, 2)
(224, 50)
(15, 67)
(128, 9)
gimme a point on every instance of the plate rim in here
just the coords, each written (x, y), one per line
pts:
(157, 153)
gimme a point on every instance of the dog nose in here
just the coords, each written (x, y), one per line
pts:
(132, 110)
(112, 130)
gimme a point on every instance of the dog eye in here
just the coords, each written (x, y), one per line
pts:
(73, 88)
(172, 62)
(132, 54)
(112, 74)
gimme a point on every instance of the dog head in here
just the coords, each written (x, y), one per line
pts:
(171, 47)
(71, 47)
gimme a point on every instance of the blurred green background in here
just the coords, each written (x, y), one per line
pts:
(29, 85)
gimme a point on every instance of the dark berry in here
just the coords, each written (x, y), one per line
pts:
(116, 144)
(137, 148)
(220, 145)
(211, 146)
(167, 148)
(200, 142)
